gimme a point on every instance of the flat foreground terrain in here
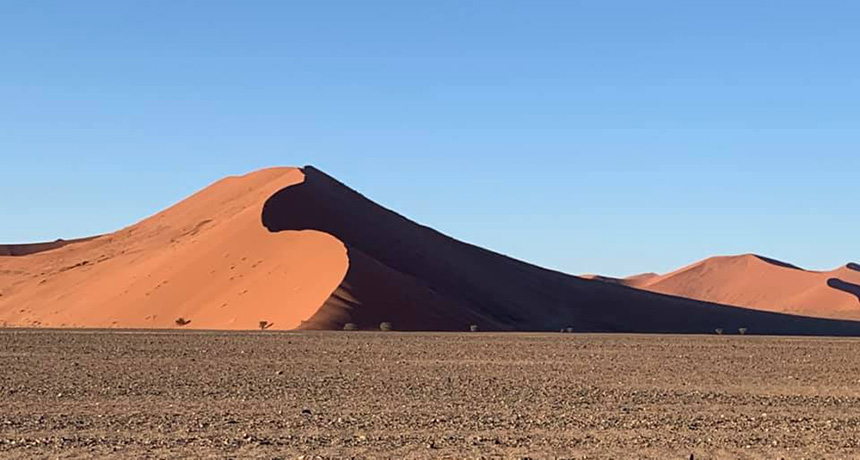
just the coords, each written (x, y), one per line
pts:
(393, 395)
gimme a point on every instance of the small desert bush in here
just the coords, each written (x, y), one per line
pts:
(182, 321)
(385, 326)
(350, 327)
(719, 331)
(265, 325)
(569, 330)
(473, 328)
(742, 330)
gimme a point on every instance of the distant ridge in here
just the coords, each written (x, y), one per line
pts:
(33, 248)
(755, 281)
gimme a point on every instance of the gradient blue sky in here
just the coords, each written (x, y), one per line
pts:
(589, 136)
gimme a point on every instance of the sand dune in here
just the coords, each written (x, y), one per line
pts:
(206, 259)
(762, 283)
(299, 249)
(421, 279)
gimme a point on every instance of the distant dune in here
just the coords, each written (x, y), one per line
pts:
(298, 249)
(33, 248)
(762, 283)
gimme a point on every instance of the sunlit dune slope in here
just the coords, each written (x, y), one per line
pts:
(207, 259)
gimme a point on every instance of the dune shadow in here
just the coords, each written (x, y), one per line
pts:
(391, 275)
(299, 207)
(845, 286)
(779, 263)
(853, 266)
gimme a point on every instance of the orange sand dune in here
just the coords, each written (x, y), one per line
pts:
(207, 259)
(301, 250)
(761, 283)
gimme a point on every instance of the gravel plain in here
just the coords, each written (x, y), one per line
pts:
(181, 394)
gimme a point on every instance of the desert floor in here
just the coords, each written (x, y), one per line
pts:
(138, 394)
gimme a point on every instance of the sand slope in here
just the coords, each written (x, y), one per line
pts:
(206, 259)
(299, 249)
(754, 281)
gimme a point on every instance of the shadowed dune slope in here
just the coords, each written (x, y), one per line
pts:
(206, 259)
(762, 283)
(420, 279)
(299, 249)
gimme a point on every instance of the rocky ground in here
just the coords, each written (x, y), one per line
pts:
(394, 395)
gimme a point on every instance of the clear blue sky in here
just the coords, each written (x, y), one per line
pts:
(589, 136)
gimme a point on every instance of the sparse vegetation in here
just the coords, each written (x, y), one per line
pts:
(385, 326)
(350, 327)
(473, 328)
(569, 330)
(742, 330)
(265, 325)
(719, 331)
(182, 321)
